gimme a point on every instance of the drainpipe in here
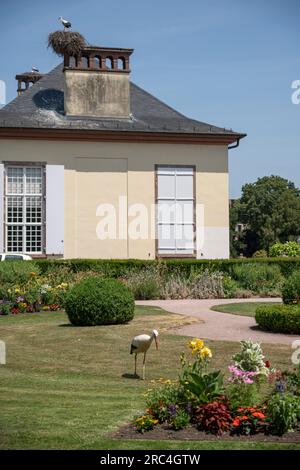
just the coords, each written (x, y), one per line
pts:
(235, 145)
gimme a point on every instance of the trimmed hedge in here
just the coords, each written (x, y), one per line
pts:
(119, 268)
(291, 289)
(279, 318)
(98, 301)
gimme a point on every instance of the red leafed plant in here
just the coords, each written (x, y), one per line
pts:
(213, 417)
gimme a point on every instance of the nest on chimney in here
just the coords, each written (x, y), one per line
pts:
(66, 42)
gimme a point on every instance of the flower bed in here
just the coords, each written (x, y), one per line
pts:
(254, 399)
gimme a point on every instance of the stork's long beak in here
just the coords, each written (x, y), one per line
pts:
(156, 342)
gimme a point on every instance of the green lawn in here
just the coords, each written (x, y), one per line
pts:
(243, 308)
(63, 387)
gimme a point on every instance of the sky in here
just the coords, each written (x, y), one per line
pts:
(230, 63)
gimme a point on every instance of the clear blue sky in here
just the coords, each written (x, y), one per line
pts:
(226, 62)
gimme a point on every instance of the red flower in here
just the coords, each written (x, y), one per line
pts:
(236, 422)
(267, 364)
(259, 415)
(244, 418)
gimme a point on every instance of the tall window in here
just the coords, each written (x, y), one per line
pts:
(175, 211)
(24, 190)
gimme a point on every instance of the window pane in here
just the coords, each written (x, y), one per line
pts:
(185, 237)
(14, 238)
(166, 238)
(14, 180)
(166, 212)
(33, 180)
(184, 212)
(14, 209)
(166, 187)
(184, 187)
(33, 238)
(33, 209)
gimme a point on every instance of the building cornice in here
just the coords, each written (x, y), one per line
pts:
(19, 133)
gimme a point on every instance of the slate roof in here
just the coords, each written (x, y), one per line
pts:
(42, 106)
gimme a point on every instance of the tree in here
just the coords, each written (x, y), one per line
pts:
(270, 208)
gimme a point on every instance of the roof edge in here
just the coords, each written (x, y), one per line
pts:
(22, 133)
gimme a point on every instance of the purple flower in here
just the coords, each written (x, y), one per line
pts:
(172, 410)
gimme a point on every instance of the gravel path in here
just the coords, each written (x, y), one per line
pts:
(217, 325)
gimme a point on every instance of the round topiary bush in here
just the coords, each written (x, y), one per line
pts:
(98, 301)
(291, 289)
(279, 318)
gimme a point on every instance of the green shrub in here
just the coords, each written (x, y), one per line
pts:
(183, 267)
(180, 420)
(160, 398)
(260, 254)
(98, 301)
(145, 284)
(258, 277)
(290, 249)
(17, 272)
(283, 410)
(279, 318)
(5, 308)
(291, 289)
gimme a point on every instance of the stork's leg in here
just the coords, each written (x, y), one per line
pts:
(135, 358)
(144, 366)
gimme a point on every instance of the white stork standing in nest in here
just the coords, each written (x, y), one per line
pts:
(66, 24)
(141, 344)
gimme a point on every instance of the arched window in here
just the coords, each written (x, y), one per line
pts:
(97, 62)
(109, 62)
(72, 62)
(84, 62)
(121, 63)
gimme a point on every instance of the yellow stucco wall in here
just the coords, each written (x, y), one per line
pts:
(99, 172)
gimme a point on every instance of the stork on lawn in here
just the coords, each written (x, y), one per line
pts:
(66, 24)
(141, 344)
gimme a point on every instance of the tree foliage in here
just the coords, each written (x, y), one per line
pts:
(270, 209)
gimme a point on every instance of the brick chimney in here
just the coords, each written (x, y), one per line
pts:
(97, 83)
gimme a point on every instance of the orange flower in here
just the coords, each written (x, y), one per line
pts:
(236, 422)
(259, 415)
(244, 418)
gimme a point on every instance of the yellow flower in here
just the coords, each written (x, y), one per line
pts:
(205, 352)
(168, 382)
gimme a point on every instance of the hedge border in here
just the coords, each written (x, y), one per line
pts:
(119, 267)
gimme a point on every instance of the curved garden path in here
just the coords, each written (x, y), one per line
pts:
(217, 325)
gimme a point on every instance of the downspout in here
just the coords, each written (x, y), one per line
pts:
(235, 145)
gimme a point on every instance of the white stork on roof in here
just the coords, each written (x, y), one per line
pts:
(66, 24)
(34, 70)
(141, 344)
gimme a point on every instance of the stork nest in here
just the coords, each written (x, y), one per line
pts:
(66, 42)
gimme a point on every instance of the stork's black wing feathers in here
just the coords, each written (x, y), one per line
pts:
(132, 348)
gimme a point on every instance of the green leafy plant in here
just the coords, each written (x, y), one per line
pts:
(291, 249)
(258, 277)
(160, 398)
(283, 412)
(179, 419)
(279, 318)
(291, 289)
(214, 417)
(202, 385)
(5, 308)
(98, 301)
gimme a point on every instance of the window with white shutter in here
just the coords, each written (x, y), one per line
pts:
(175, 210)
(24, 209)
